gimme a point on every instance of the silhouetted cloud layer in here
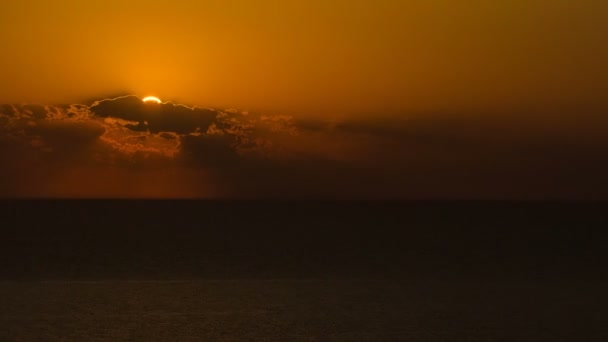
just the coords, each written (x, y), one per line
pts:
(123, 147)
(164, 117)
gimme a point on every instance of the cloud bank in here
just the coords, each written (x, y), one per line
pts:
(123, 147)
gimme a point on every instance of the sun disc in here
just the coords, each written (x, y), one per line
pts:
(151, 99)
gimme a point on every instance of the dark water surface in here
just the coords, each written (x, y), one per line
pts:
(114, 270)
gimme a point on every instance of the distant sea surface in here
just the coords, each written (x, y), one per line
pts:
(186, 239)
(122, 270)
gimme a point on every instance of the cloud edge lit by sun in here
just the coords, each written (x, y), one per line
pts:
(151, 99)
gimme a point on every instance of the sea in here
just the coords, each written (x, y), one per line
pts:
(303, 270)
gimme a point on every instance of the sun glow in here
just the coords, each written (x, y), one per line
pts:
(151, 99)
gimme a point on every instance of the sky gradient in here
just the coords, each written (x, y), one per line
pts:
(312, 57)
(348, 99)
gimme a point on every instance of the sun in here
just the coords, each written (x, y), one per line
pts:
(151, 99)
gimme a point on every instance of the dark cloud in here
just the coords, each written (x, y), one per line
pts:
(7, 110)
(66, 133)
(35, 111)
(213, 151)
(168, 135)
(137, 149)
(164, 117)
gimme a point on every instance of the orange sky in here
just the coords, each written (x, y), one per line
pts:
(341, 57)
(318, 98)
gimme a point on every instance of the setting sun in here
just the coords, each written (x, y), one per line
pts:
(152, 99)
